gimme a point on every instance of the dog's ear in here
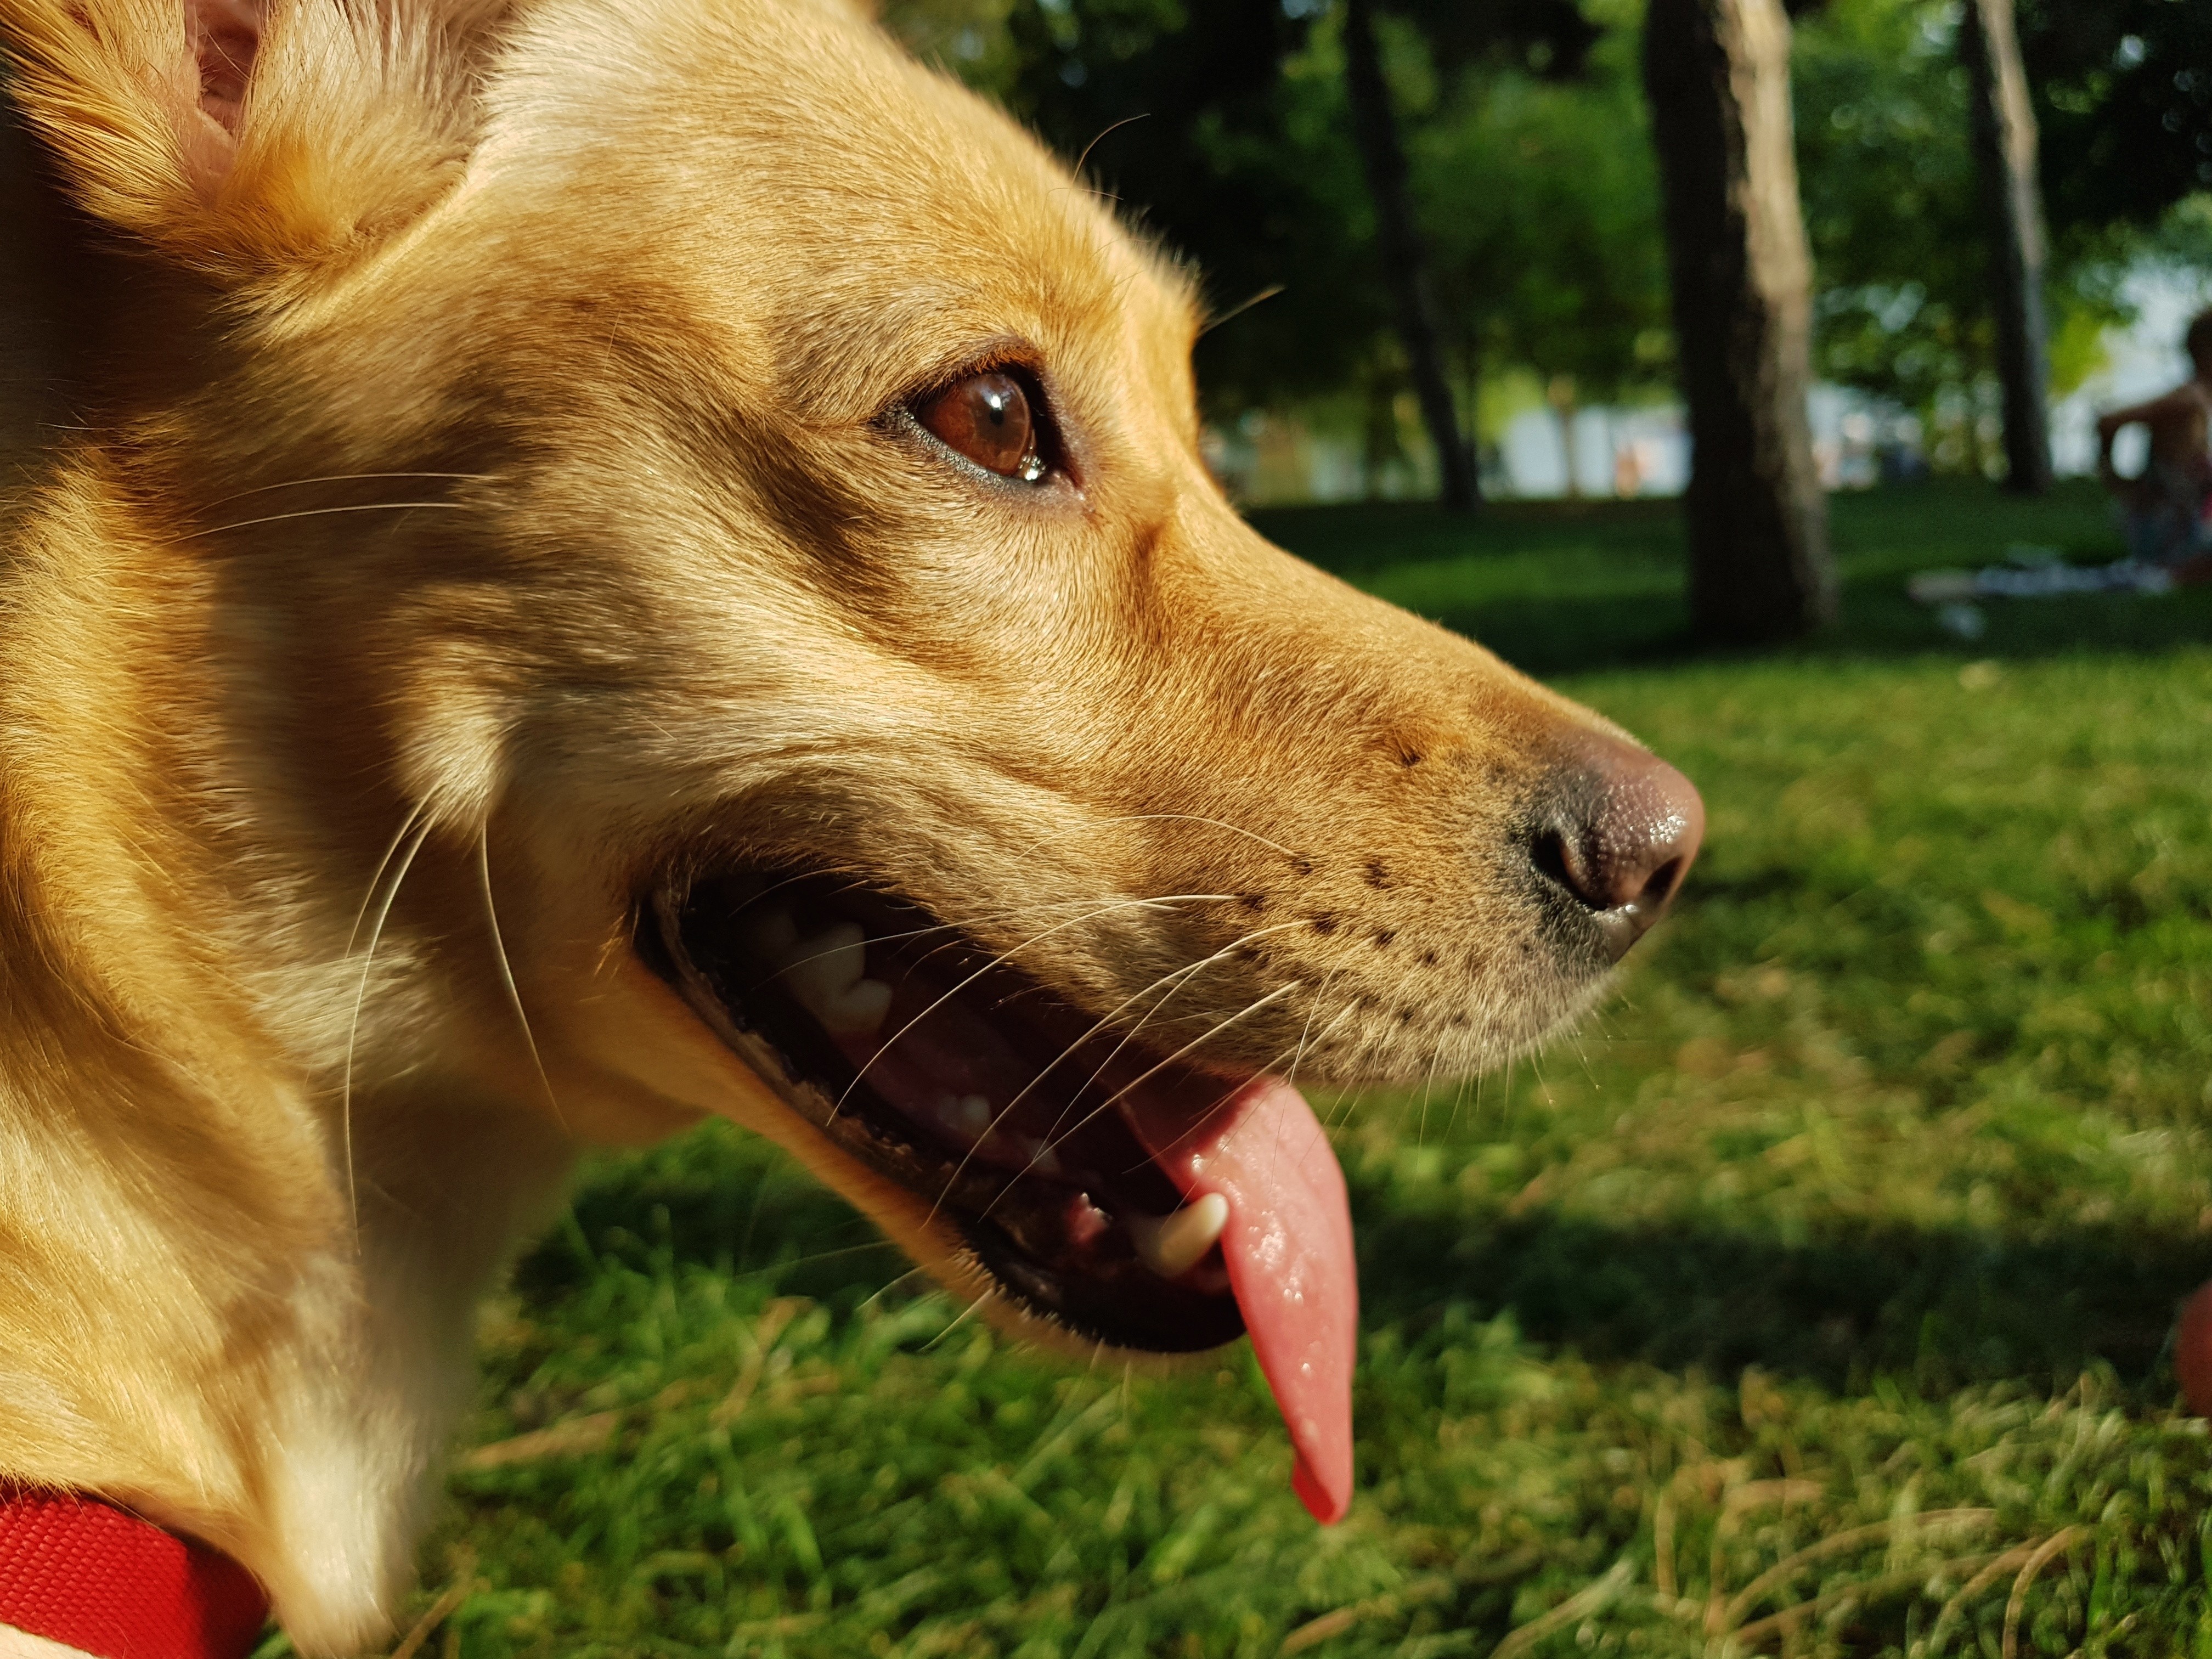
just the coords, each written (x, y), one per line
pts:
(251, 139)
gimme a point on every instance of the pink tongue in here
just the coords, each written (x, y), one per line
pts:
(1288, 1245)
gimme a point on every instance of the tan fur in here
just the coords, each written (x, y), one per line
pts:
(622, 298)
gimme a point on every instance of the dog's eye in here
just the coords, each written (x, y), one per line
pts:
(986, 417)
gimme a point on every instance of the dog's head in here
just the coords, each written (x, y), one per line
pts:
(702, 522)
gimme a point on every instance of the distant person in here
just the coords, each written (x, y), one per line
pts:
(1628, 470)
(2166, 511)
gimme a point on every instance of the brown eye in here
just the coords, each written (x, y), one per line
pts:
(987, 418)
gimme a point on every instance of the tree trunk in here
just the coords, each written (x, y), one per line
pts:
(1560, 392)
(1717, 73)
(2012, 211)
(1375, 129)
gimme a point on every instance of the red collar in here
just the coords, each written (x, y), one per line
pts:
(87, 1575)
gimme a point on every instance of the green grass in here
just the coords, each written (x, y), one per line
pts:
(1812, 1300)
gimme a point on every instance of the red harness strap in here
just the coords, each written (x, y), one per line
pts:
(89, 1575)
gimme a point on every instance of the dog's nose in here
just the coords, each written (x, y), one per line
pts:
(1619, 831)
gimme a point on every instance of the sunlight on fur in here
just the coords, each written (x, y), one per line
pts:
(486, 525)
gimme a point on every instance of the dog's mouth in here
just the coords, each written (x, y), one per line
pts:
(1132, 1200)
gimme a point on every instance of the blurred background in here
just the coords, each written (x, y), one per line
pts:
(1532, 184)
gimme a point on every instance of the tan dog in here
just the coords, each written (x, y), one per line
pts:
(617, 563)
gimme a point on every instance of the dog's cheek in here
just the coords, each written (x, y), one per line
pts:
(451, 724)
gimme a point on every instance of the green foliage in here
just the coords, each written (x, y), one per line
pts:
(1212, 124)
(1814, 1292)
(1235, 149)
(1541, 199)
(1536, 190)
(2124, 90)
(1889, 183)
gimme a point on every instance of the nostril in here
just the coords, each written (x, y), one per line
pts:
(1621, 829)
(1564, 856)
(1659, 891)
(1548, 853)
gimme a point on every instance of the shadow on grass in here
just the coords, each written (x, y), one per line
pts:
(1565, 587)
(1937, 1310)
(719, 1200)
(1569, 635)
(1943, 1308)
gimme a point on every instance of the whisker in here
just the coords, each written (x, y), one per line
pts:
(353, 1025)
(314, 512)
(376, 880)
(885, 1290)
(338, 477)
(959, 1319)
(856, 871)
(1122, 1093)
(996, 961)
(1054, 1138)
(1217, 823)
(1230, 1093)
(1349, 1108)
(1222, 1100)
(1113, 127)
(1181, 975)
(992, 916)
(1305, 1037)
(1421, 1134)
(1048, 905)
(1346, 1010)
(1266, 293)
(507, 973)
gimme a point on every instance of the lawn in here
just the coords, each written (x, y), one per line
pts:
(1813, 1299)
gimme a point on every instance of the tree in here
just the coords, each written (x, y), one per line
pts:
(2004, 143)
(1214, 129)
(1718, 75)
(1554, 35)
(1543, 208)
(1272, 150)
(2123, 94)
(1893, 197)
(1889, 202)
(1405, 266)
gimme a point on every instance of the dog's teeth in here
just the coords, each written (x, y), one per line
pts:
(968, 1117)
(825, 965)
(824, 970)
(856, 1010)
(1171, 1245)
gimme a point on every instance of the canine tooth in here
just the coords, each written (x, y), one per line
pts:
(1171, 1245)
(973, 1115)
(823, 966)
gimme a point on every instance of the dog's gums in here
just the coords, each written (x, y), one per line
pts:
(1095, 1178)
